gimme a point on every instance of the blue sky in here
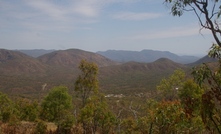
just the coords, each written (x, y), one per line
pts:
(99, 25)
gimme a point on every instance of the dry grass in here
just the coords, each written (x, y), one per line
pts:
(51, 126)
(24, 127)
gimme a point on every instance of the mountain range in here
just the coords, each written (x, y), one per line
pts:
(24, 74)
(145, 56)
(123, 56)
(35, 52)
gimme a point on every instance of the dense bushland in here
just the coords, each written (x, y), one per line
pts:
(180, 105)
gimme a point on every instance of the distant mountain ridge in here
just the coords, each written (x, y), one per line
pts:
(35, 52)
(123, 56)
(145, 56)
(205, 59)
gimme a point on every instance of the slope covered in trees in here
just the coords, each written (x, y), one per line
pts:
(60, 68)
(12, 62)
(72, 58)
(178, 111)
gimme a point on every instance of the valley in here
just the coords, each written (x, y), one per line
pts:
(23, 74)
(126, 91)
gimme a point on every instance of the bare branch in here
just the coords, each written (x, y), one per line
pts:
(214, 6)
(119, 113)
(200, 2)
(210, 24)
(198, 6)
(198, 16)
(217, 27)
(133, 111)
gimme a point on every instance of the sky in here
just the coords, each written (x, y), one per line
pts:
(100, 25)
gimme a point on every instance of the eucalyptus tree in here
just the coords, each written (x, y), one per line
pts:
(209, 78)
(206, 11)
(95, 115)
(87, 82)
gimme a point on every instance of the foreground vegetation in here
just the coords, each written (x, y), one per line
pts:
(181, 104)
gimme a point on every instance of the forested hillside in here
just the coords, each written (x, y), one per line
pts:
(105, 96)
(61, 68)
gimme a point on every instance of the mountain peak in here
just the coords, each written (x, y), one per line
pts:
(161, 60)
(8, 55)
(17, 62)
(5, 55)
(72, 58)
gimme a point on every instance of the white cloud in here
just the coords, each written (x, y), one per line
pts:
(93, 8)
(87, 8)
(82, 8)
(136, 16)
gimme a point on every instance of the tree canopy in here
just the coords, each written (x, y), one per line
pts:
(87, 81)
(56, 104)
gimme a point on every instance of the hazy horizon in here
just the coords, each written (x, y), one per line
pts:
(179, 54)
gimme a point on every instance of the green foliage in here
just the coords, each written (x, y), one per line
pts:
(180, 6)
(129, 126)
(41, 128)
(87, 82)
(97, 116)
(7, 109)
(94, 113)
(28, 110)
(56, 104)
(201, 73)
(163, 117)
(210, 78)
(66, 124)
(169, 87)
(190, 95)
(169, 117)
(215, 51)
(144, 125)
